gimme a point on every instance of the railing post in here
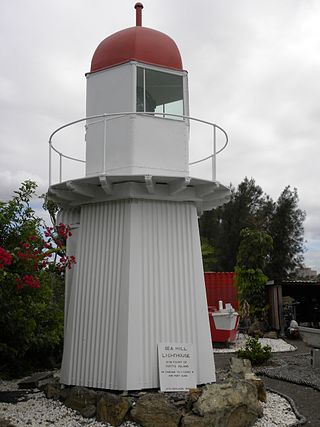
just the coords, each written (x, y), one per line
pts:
(50, 178)
(60, 167)
(214, 172)
(104, 144)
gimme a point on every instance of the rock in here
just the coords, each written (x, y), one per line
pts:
(64, 393)
(80, 398)
(112, 409)
(6, 423)
(256, 329)
(14, 396)
(34, 380)
(190, 420)
(240, 367)
(52, 390)
(89, 411)
(179, 403)
(193, 396)
(193, 421)
(154, 410)
(272, 335)
(43, 383)
(231, 404)
(254, 379)
(241, 417)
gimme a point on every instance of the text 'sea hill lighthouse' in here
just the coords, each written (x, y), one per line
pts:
(139, 277)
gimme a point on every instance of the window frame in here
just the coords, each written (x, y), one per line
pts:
(160, 115)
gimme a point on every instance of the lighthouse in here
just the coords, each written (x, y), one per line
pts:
(139, 280)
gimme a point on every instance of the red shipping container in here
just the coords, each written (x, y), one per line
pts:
(221, 287)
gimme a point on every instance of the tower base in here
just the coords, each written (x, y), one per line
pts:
(138, 281)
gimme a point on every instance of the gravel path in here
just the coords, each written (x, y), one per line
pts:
(295, 368)
(307, 400)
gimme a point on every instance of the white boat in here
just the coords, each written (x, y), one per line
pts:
(311, 336)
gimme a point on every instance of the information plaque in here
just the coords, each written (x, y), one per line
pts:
(176, 367)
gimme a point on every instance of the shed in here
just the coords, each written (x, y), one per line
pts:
(293, 299)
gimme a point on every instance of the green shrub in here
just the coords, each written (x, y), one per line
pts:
(31, 317)
(255, 352)
(31, 323)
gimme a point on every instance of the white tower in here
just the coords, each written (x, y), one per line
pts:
(139, 278)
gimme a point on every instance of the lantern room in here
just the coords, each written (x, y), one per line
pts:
(137, 70)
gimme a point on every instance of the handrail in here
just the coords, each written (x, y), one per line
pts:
(123, 114)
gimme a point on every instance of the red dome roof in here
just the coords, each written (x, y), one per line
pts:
(137, 44)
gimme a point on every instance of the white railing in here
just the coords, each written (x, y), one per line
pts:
(107, 116)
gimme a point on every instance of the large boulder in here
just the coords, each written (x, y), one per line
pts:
(241, 368)
(52, 390)
(231, 404)
(112, 409)
(81, 399)
(192, 397)
(191, 420)
(155, 410)
(261, 389)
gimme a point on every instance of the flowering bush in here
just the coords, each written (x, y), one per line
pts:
(5, 258)
(32, 264)
(35, 253)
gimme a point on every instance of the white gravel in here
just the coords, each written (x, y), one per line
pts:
(39, 411)
(8, 385)
(277, 411)
(277, 345)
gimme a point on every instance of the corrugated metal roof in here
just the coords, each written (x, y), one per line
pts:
(293, 282)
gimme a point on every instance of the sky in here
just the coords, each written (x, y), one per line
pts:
(253, 68)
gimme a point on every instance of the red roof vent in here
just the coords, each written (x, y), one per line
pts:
(138, 7)
(137, 44)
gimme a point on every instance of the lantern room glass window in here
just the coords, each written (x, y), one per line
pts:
(160, 93)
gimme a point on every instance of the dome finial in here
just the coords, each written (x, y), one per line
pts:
(138, 7)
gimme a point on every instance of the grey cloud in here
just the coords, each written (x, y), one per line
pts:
(253, 68)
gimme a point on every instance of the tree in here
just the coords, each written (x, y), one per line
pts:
(255, 249)
(208, 255)
(286, 229)
(17, 218)
(248, 207)
(253, 254)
